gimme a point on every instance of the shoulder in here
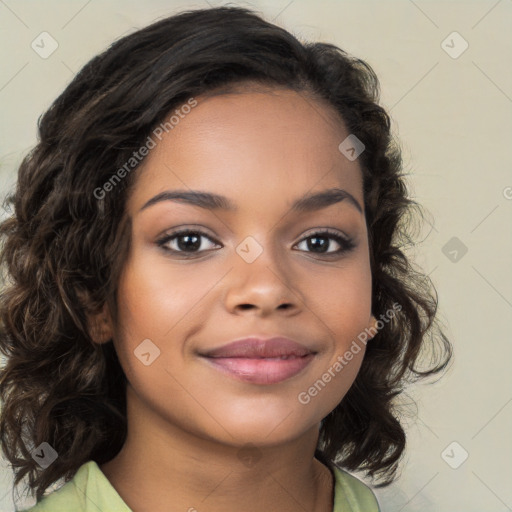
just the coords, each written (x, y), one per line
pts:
(352, 494)
(66, 497)
(88, 491)
(61, 500)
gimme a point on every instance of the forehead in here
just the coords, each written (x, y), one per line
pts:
(268, 143)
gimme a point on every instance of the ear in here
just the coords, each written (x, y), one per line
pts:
(101, 326)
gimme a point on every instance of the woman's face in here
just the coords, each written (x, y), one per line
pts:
(258, 269)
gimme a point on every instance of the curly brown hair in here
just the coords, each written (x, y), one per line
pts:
(63, 249)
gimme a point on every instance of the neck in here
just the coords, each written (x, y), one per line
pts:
(179, 471)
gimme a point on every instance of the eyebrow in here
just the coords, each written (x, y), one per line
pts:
(210, 201)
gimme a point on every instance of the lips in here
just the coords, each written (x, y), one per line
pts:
(253, 348)
(260, 361)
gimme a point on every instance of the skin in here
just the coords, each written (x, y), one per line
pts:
(188, 423)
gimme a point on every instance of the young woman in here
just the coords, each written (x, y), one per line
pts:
(208, 306)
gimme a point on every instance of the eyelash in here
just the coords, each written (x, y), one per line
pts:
(347, 244)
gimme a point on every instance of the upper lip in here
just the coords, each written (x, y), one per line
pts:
(255, 347)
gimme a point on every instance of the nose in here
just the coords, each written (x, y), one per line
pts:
(263, 287)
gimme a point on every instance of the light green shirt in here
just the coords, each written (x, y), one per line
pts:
(91, 491)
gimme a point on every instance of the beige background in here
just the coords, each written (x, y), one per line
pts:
(453, 116)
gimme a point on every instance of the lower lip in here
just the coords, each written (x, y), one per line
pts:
(261, 371)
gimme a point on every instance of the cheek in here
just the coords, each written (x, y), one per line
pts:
(153, 304)
(153, 297)
(342, 300)
(161, 303)
(342, 303)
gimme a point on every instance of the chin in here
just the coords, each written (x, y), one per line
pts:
(269, 431)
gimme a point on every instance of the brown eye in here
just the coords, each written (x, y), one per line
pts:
(321, 241)
(186, 241)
